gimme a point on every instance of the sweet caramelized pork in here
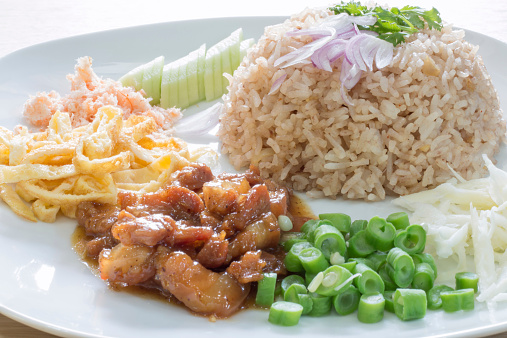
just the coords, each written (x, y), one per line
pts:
(202, 239)
(200, 289)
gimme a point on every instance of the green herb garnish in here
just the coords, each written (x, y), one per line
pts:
(393, 25)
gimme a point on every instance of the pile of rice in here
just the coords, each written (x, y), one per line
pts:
(433, 108)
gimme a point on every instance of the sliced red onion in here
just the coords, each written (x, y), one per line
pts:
(365, 20)
(350, 74)
(278, 82)
(302, 53)
(313, 32)
(336, 37)
(353, 51)
(384, 55)
(345, 97)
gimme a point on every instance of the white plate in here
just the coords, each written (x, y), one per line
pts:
(45, 285)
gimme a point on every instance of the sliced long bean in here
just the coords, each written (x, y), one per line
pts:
(377, 259)
(433, 296)
(329, 240)
(266, 289)
(285, 313)
(347, 301)
(349, 265)
(380, 234)
(410, 304)
(340, 221)
(424, 277)
(369, 282)
(467, 280)
(371, 308)
(359, 245)
(399, 220)
(313, 260)
(306, 302)
(389, 284)
(289, 280)
(292, 261)
(425, 257)
(456, 300)
(357, 225)
(389, 298)
(335, 278)
(288, 239)
(321, 305)
(291, 295)
(400, 267)
(412, 240)
(362, 260)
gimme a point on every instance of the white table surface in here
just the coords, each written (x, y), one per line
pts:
(27, 22)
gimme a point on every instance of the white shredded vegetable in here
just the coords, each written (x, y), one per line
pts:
(468, 218)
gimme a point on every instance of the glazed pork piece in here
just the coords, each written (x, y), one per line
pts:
(201, 238)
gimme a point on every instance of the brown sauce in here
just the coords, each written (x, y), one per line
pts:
(298, 208)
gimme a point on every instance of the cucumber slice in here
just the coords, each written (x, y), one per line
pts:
(211, 61)
(244, 46)
(134, 78)
(152, 77)
(236, 39)
(193, 75)
(201, 52)
(183, 82)
(169, 86)
(226, 68)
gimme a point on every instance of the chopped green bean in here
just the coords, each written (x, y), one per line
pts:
(371, 308)
(364, 261)
(321, 305)
(389, 298)
(400, 267)
(291, 295)
(289, 280)
(399, 220)
(357, 226)
(377, 259)
(458, 300)
(412, 240)
(334, 279)
(434, 299)
(380, 234)
(306, 302)
(467, 280)
(310, 226)
(266, 289)
(285, 313)
(349, 265)
(341, 222)
(425, 257)
(389, 284)
(313, 260)
(292, 261)
(347, 301)
(424, 277)
(410, 304)
(288, 239)
(369, 282)
(284, 223)
(329, 240)
(359, 245)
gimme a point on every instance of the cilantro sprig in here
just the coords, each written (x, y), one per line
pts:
(393, 25)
